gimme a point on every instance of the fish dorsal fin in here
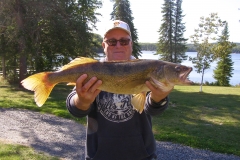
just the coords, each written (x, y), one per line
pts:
(71, 84)
(77, 61)
(124, 61)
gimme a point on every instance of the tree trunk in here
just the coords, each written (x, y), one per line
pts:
(202, 79)
(21, 41)
(22, 69)
(3, 67)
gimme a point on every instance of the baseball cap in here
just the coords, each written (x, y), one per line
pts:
(117, 24)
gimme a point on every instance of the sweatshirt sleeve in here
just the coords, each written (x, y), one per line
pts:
(73, 109)
(153, 108)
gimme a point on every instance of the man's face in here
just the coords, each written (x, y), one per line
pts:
(118, 52)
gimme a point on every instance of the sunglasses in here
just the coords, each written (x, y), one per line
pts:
(113, 42)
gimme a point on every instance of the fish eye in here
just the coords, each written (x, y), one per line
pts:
(178, 68)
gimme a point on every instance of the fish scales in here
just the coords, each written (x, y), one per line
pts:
(121, 77)
(125, 78)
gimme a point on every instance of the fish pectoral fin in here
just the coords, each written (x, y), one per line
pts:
(138, 101)
(163, 86)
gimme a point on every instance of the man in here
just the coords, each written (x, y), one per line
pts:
(115, 131)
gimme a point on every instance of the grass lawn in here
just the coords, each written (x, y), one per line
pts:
(13, 97)
(207, 120)
(19, 152)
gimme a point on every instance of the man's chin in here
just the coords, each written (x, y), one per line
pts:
(120, 58)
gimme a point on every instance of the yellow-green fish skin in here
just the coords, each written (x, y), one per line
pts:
(122, 77)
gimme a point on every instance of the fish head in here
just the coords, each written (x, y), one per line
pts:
(177, 73)
(172, 73)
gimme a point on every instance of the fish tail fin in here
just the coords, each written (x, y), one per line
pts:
(40, 84)
(138, 101)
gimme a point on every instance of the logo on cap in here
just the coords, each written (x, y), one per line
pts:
(116, 24)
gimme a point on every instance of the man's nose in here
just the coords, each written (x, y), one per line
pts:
(118, 44)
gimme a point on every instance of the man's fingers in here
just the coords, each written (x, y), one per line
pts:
(96, 85)
(80, 80)
(157, 94)
(150, 86)
(89, 84)
(97, 91)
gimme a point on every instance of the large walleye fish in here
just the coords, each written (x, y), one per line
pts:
(122, 77)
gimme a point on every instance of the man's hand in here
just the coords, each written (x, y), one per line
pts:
(156, 93)
(86, 93)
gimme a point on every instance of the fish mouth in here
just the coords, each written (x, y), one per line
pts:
(183, 76)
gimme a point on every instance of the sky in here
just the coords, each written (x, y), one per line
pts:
(147, 16)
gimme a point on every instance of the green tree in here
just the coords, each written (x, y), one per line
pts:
(171, 45)
(207, 31)
(179, 41)
(123, 12)
(8, 40)
(97, 43)
(74, 20)
(165, 43)
(222, 51)
(48, 33)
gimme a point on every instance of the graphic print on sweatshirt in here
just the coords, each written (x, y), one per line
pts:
(115, 107)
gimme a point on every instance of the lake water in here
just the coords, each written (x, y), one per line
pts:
(208, 75)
